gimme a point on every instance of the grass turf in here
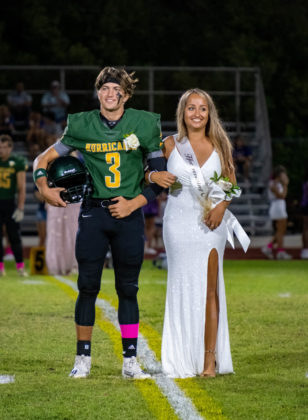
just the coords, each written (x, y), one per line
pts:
(267, 311)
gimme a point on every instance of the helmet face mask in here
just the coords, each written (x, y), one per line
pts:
(69, 172)
(73, 194)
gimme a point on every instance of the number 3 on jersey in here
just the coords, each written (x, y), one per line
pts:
(113, 181)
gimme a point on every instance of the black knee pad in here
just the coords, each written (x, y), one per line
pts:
(85, 307)
(128, 290)
(88, 293)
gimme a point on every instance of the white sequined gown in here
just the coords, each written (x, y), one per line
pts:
(188, 243)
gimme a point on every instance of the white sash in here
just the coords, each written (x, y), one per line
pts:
(212, 191)
(196, 177)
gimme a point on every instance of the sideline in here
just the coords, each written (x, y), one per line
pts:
(181, 404)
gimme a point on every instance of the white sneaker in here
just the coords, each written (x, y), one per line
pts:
(22, 272)
(150, 251)
(304, 254)
(131, 369)
(283, 255)
(267, 252)
(81, 367)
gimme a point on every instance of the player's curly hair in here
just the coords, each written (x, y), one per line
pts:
(117, 75)
(213, 130)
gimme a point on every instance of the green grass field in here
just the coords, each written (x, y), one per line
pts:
(267, 312)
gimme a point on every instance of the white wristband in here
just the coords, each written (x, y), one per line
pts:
(149, 177)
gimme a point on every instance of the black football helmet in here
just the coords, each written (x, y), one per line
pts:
(70, 173)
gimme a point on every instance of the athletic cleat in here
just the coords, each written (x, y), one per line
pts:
(267, 252)
(131, 369)
(150, 251)
(283, 255)
(22, 272)
(304, 254)
(81, 367)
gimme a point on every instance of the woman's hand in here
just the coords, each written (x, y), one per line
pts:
(215, 216)
(163, 178)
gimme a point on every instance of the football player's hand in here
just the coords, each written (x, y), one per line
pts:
(18, 215)
(121, 207)
(163, 178)
(52, 196)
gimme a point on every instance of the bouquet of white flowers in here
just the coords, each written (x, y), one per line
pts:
(220, 189)
(226, 185)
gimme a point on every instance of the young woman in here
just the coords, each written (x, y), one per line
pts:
(196, 226)
(278, 189)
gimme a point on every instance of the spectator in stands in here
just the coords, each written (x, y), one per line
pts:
(33, 151)
(278, 189)
(304, 205)
(242, 157)
(6, 121)
(35, 120)
(56, 101)
(150, 211)
(50, 125)
(13, 180)
(20, 103)
(37, 136)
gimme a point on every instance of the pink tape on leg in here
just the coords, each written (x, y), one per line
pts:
(129, 330)
(20, 265)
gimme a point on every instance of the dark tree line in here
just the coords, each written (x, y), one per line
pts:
(270, 34)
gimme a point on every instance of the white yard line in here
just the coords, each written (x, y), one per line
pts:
(180, 403)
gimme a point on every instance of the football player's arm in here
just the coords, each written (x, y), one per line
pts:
(50, 195)
(161, 176)
(156, 165)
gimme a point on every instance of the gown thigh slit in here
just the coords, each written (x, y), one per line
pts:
(211, 305)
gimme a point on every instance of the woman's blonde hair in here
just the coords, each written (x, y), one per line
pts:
(213, 130)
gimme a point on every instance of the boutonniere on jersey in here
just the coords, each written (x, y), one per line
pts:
(131, 142)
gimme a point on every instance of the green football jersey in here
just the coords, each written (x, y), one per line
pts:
(8, 175)
(114, 157)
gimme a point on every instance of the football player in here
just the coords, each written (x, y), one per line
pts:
(12, 180)
(114, 143)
